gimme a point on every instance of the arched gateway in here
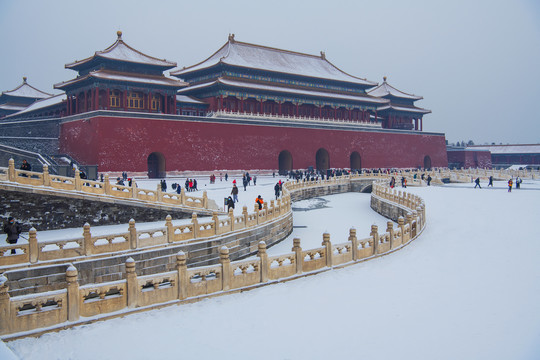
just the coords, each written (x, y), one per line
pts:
(427, 162)
(285, 162)
(322, 160)
(156, 165)
(356, 161)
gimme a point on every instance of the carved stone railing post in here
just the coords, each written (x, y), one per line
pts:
(265, 208)
(299, 259)
(182, 196)
(354, 243)
(72, 293)
(170, 230)
(181, 267)
(11, 170)
(87, 242)
(46, 176)
(78, 183)
(5, 305)
(273, 209)
(195, 223)
(375, 235)
(390, 231)
(263, 256)
(133, 238)
(33, 250)
(409, 219)
(107, 184)
(231, 218)
(256, 210)
(225, 267)
(159, 194)
(328, 249)
(204, 200)
(131, 283)
(401, 225)
(215, 219)
(134, 191)
(246, 215)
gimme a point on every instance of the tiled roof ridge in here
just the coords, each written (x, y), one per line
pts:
(118, 42)
(30, 86)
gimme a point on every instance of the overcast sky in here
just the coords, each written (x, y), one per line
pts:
(476, 63)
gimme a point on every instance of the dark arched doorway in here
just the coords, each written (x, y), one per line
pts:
(322, 160)
(356, 161)
(427, 162)
(156, 165)
(285, 163)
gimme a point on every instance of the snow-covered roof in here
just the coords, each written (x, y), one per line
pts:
(129, 77)
(28, 91)
(386, 89)
(11, 107)
(43, 103)
(257, 86)
(510, 149)
(188, 99)
(120, 51)
(252, 56)
(414, 109)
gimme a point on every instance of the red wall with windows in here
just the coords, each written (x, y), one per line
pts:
(124, 144)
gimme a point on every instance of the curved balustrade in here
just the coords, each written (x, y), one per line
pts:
(26, 313)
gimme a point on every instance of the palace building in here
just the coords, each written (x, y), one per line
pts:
(246, 106)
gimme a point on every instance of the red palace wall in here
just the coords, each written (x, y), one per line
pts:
(124, 144)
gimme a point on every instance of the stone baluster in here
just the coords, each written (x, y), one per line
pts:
(225, 262)
(134, 191)
(72, 293)
(231, 218)
(46, 176)
(215, 219)
(170, 230)
(273, 209)
(159, 193)
(5, 305)
(78, 182)
(133, 238)
(390, 231)
(246, 215)
(415, 220)
(299, 258)
(181, 267)
(195, 223)
(182, 196)
(107, 184)
(263, 256)
(375, 235)
(354, 243)
(11, 171)
(409, 219)
(205, 200)
(256, 210)
(87, 240)
(33, 249)
(131, 283)
(401, 225)
(328, 249)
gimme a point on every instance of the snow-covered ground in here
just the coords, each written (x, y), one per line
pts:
(468, 288)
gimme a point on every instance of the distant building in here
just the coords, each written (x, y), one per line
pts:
(459, 157)
(20, 98)
(503, 156)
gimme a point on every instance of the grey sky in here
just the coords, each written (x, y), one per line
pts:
(476, 63)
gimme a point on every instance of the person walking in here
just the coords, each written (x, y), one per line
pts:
(477, 182)
(277, 190)
(518, 182)
(490, 181)
(12, 230)
(230, 204)
(234, 193)
(510, 183)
